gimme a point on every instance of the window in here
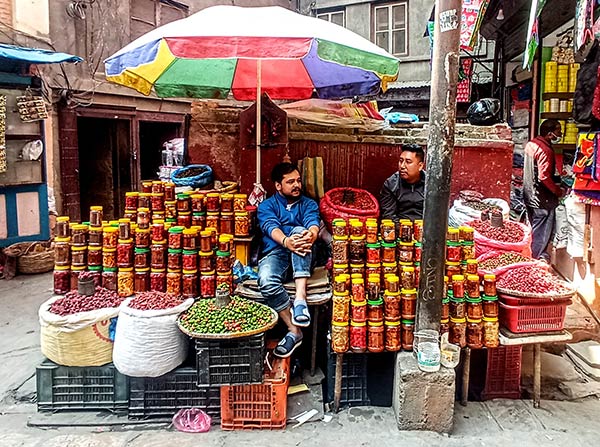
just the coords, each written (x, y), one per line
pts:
(336, 17)
(149, 14)
(391, 28)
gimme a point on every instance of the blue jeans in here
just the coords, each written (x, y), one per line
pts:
(274, 271)
(542, 225)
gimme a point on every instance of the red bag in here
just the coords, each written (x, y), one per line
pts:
(484, 244)
(333, 206)
(502, 270)
(192, 420)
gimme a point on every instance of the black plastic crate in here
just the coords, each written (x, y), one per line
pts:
(230, 362)
(354, 380)
(81, 388)
(162, 397)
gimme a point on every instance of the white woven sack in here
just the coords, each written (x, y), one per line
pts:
(148, 343)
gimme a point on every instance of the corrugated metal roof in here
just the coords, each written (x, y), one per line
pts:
(409, 84)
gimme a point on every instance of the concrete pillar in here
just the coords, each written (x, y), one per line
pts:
(422, 401)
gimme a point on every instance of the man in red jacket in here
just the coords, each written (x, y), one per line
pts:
(540, 193)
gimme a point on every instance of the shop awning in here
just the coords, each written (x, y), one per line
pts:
(11, 53)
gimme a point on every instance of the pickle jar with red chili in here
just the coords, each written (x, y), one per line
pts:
(358, 311)
(392, 336)
(141, 258)
(109, 279)
(489, 285)
(183, 203)
(189, 259)
(358, 336)
(213, 204)
(226, 224)
(174, 261)
(371, 231)
(406, 231)
(131, 200)
(388, 230)
(125, 253)
(198, 203)
(190, 239)
(189, 283)
(375, 337)
(373, 253)
(142, 237)
(158, 280)
(208, 284)
(174, 282)
(223, 262)
(141, 280)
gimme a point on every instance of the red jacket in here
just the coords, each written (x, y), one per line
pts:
(539, 190)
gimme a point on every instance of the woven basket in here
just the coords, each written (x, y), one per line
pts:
(32, 257)
(222, 188)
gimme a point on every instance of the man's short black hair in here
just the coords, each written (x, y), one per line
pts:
(282, 169)
(548, 126)
(416, 149)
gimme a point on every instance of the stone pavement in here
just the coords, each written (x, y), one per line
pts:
(498, 422)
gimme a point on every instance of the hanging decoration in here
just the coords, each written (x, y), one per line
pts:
(584, 18)
(533, 37)
(472, 16)
(31, 108)
(3, 164)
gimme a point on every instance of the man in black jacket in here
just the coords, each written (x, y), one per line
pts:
(403, 194)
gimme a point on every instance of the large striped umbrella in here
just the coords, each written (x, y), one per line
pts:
(242, 51)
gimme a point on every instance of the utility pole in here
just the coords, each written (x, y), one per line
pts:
(440, 147)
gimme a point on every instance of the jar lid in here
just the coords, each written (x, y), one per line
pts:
(452, 230)
(358, 303)
(80, 227)
(457, 299)
(373, 276)
(142, 230)
(62, 267)
(408, 269)
(125, 269)
(406, 244)
(163, 242)
(76, 248)
(450, 293)
(411, 322)
(473, 320)
(190, 272)
(458, 320)
(142, 270)
(356, 275)
(376, 323)
(357, 324)
(199, 214)
(62, 219)
(94, 247)
(182, 196)
(376, 245)
(409, 291)
(356, 223)
(212, 194)
(445, 300)
(388, 244)
(467, 243)
(110, 229)
(339, 223)
(176, 229)
(473, 300)
(141, 250)
(227, 214)
(471, 261)
(388, 293)
(452, 243)
(377, 302)
(374, 266)
(224, 273)
(190, 252)
(452, 263)
(489, 298)
(339, 324)
(183, 213)
(371, 223)
(189, 231)
(489, 277)
(132, 194)
(173, 271)
(109, 270)
(78, 268)
(62, 239)
(418, 244)
(242, 214)
(405, 264)
(196, 195)
(361, 237)
(444, 321)
(466, 229)
(174, 251)
(340, 266)
(226, 196)
(126, 241)
(358, 280)
(143, 209)
(108, 249)
(473, 278)
(157, 270)
(392, 323)
(490, 319)
(445, 279)
(344, 293)
(96, 208)
(212, 214)
(209, 273)
(458, 277)
(392, 278)
(170, 202)
(240, 196)
(390, 264)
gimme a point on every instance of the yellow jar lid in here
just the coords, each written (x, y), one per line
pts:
(62, 239)
(157, 270)
(452, 263)
(473, 278)
(78, 268)
(181, 213)
(157, 194)
(142, 270)
(241, 214)
(357, 265)
(359, 303)
(356, 275)
(226, 196)
(125, 269)
(62, 219)
(373, 266)
(190, 272)
(190, 231)
(339, 324)
(212, 214)
(356, 223)
(227, 214)
(93, 248)
(419, 221)
(211, 272)
(109, 250)
(371, 223)
(340, 266)
(376, 323)
(173, 271)
(458, 278)
(344, 293)
(240, 196)
(355, 324)
(339, 223)
(458, 320)
(80, 227)
(212, 194)
(76, 248)
(163, 242)
(62, 267)
(489, 277)
(206, 253)
(471, 261)
(142, 230)
(490, 319)
(143, 210)
(125, 241)
(357, 238)
(444, 321)
(392, 323)
(409, 291)
(96, 208)
(390, 264)
(145, 194)
(132, 194)
(473, 320)
(340, 238)
(387, 292)
(358, 280)
(408, 269)
(452, 230)
(406, 244)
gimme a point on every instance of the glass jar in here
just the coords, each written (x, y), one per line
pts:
(157, 231)
(75, 272)
(242, 224)
(356, 229)
(373, 253)
(158, 187)
(392, 283)
(125, 253)
(94, 256)
(340, 341)
(409, 304)
(491, 331)
(174, 259)
(452, 268)
(189, 239)
(226, 203)
(339, 284)
(358, 290)
(142, 237)
(474, 333)
(472, 286)
(184, 220)
(391, 306)
(189, 260)
(62, 279)
(240, 201)
(208, 284)
(206, 261)
(141, 258)
(62, 251)
(205, 242)
(223, 262)
(375, 337)
(141, 280)
(174, 282)
(406, 231)
(467, 250)
(458, 286)
(212, 220)
(143, 218)
(124, 229)
(199, 220)
(372, 269)
(109, 279)
(388, 231)
(407, 277)
(109, 258)
(358, 336)
(95, 216)
(158, 280)
(418, 230)
(489, 285)
(183, 203)
(389, 268)
(357, 269)
(373, 287)
(408, 334)
(457, 307)
(371, 231)
(472, 267)
(212, 202)
(157, 202)
(490, 306)
(452, 235)
(125, 282)
(453, 252)
(226, 224)
(458, 332)
(78, 256)
(392, 336)
(417, 266)
(225, 279)
(418, 252)
(225, 243)
(62, 227)
(474, 308)
(356, 250)
(339, 228)
(171, 210)
(388, 252)
(79, 235)
(339, 250)
(358, 311)
(466, 234)
(444, 326)
(189, 283)
(198, 203)
(375, 310)
(158, 255)
(339, 269)
(131, 215)
(341, 307)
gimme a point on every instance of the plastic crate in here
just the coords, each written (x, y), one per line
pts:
(230, 362)
(537, 318)
(263, 406)
(503, 375)
(520, 301)
(162, 397)
(354, 380)
(78, 388)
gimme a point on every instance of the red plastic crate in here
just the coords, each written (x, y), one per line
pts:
(503, 375)
(537, 318)
(521, 301)
(261, 406)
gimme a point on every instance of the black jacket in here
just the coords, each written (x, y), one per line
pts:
(401, 200)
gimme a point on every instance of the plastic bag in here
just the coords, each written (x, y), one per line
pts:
(73, 322)
(148, 343)
(32, 150)
(192, 420)
(460, 213)
(502, 270)
(484, 244)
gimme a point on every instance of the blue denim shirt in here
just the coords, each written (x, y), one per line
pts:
(275, 212)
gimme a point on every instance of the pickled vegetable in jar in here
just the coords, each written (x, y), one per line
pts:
(339, 284)
(358, 290)
(223, 263)
(78, 256)
(489, 285)
(491, 331)
(358, 311)
(240, 201)
(405, 252)
(458, 332)
(407, 278)
(79, 235)
(141, 258)
(213, 204)
(391, 306)
(189, 239)
(418, 252)
(417, 266)
(472, 286)
(171, 209)
(184, 219)
(418, 230)
(242, 224)
(143, 218)
(157, 231)
(356, 250)
(474, 333)
(109, 258)
(393, 336)
(62, 227)
(62, 279)
(388, 252)
(457, 307)
(452, 268)
(183, 203)
(157, 201)
(125, 253)
(356, 229)
(95, 216)
(212, 220)
(158, 187)
(197, 203)
(339, 269)
(206, 261)
(225, 279)
(174, 282)
(158, 255)
(226, 203)
(389, 268)
(189, 283)
(62, 251)
(453, 252)
(375, 337)
(490, 306)
(109, 279)
(373, 253)
(472, 266)
(225, 243)
(371, 231)
(125, 282)
(444, 326)
(339, 228)
(375, 310)
(339, 250)
(458, 286)
(94, 256)
(226, 224)
(372, 269)
(392, 283)
(467, 250)
(174, 261)
(373, 287)
(358, 336)
(340, 341)
(205, 242)
(357, 269)
(189, 260)
(466, 234)
(409, 304)
(141, 280)
(208, 284)
(158, 280)
(406, 231)
(199, 220)
(142, 237)
(474, 308)
(388, 231)
(341, 307)
(453, 235)
(445, 309)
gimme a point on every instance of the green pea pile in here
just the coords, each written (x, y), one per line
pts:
(240, 315)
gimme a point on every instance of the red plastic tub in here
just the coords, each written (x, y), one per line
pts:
(535, 318)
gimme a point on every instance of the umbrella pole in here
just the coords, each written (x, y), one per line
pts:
(258, 117)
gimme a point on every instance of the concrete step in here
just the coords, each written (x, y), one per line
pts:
(588, 351)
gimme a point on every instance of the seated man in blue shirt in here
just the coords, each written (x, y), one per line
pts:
(290, 225)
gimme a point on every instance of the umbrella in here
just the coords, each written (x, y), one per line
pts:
(242, 51)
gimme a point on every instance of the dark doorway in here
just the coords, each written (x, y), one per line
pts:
(104, 164)
(152, 136)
